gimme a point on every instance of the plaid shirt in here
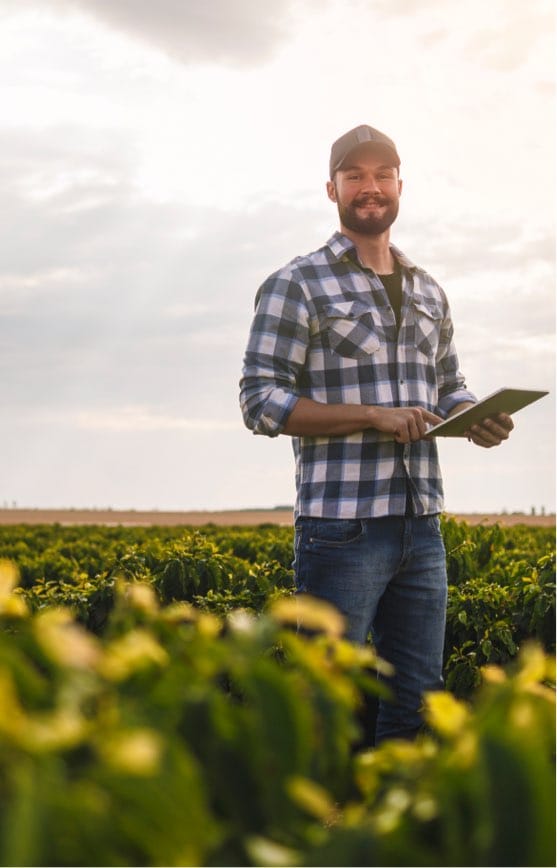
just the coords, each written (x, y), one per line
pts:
(324, 329)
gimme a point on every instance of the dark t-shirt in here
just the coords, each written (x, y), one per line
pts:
(393, 286)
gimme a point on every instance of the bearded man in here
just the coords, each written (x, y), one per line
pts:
(351, 354)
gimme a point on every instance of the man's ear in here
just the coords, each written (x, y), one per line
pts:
(331, 191)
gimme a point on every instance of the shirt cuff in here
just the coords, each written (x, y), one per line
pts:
(275, 413)
(447, 402)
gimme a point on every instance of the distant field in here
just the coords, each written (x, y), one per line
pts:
(226, 517)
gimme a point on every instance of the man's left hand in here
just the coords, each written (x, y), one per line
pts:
(491, 431)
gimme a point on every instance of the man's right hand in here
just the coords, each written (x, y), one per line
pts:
(312, 419)
(406, 424)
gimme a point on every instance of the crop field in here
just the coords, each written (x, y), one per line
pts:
(159, 707)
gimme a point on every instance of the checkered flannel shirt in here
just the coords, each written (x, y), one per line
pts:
(324, 329)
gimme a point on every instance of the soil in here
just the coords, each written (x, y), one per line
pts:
(225, 517)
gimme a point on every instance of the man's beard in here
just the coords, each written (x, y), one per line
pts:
(373, 224)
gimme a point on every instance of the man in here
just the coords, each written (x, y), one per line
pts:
(351, 354)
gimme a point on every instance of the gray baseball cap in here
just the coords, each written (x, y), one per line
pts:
(360, 136)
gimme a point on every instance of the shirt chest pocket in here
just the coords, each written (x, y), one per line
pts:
(428, 317)
(347, 329)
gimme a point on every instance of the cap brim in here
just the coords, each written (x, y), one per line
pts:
(394, 159)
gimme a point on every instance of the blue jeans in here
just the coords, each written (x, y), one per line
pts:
(388, 577)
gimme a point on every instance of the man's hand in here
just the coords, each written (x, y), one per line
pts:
(492, 431)
(312, 419)
(406, 424)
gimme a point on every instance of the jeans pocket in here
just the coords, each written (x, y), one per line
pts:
(334, 532)
(434, 524)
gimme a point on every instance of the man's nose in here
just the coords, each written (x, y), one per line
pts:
(370, 185)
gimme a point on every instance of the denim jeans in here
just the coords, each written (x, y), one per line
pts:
(388, 577)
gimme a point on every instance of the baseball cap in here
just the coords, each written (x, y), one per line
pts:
(359, 136)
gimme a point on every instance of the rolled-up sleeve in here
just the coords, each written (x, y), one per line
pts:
(451, 385)
(275, 355)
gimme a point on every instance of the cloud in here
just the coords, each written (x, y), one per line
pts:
(134, 241)
(500, 285)
(502, 245)
(402, 8)
(111, 300)
(239, 33)
(144, 419)
(504, 39)
(513, 38)
(124, 318)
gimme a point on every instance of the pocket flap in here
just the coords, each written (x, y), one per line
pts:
(349, 329)
(430, 307)
(346, 310)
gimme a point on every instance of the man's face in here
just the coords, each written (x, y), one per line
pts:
(366, 191)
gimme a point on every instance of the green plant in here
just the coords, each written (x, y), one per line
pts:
(177, 737)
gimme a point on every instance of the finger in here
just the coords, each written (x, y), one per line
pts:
(416, 425)
(495, 429)
(410, 430)
(504, 421)
(402, 436)
(479, 441)
(431, 417)
(481, 436)
(416, 429)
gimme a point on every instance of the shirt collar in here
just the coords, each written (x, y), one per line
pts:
(340, 246)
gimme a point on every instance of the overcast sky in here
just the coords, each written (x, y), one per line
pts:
(160, 159)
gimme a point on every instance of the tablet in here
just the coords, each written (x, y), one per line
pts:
(502, 401)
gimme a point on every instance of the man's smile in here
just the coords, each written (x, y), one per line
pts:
(371, 203)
